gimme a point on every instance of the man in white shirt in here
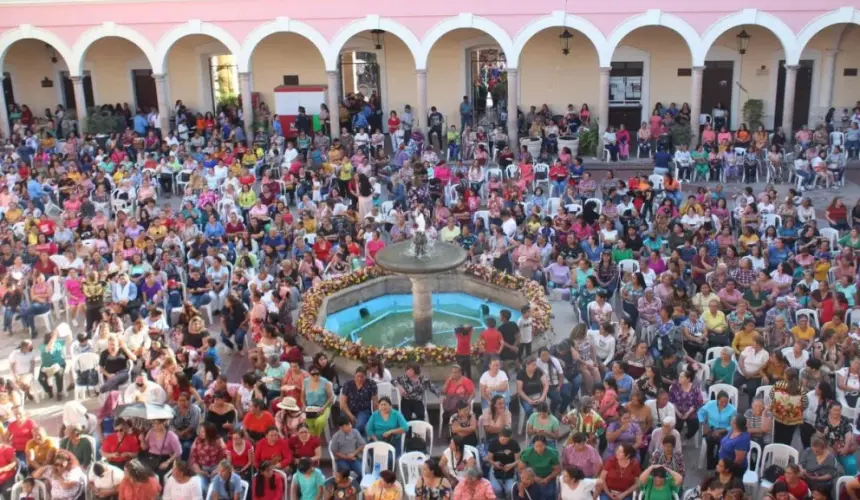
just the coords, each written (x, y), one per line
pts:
(22, 363)
(144, 391)
(683, 160)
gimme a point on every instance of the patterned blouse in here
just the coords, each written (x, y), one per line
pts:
(415, 389)
(359, 399)
(649, 311)
(633, 294)
(438, 492)
(207, 455)
(834, 434)
(684, 401)
(674, 462)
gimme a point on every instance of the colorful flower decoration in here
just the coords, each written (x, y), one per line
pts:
(341, 346)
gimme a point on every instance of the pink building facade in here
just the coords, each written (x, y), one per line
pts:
(427, 56)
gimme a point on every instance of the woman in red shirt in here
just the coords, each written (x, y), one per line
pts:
(274, 449)
(393, 122)
(303, 444)
(240, 453)
(791, 478)
(268, 484)
(621, 473)
(122, 445)
(837, 215)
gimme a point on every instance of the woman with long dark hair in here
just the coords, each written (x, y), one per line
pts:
(268, 485)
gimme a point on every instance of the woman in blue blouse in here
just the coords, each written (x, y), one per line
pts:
(735, 446)
(387, 424)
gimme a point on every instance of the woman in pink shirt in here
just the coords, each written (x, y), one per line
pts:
(585, 115)
(724, 135)
(373, 247)
(709, 137)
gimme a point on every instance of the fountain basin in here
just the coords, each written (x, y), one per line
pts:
(390, 319)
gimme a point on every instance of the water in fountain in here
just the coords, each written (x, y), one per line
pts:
(421, 246)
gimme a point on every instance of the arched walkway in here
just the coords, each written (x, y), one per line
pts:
(279, 25)
(463, 21)
(650, 18)
(194, 27)
(105, 30)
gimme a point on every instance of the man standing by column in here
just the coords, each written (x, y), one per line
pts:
(465, 113)
(407, 121)
(436, 121)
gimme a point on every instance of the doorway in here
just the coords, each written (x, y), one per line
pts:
(625, 95)
(224, 79)
(69, 91)
(802, 94)
(488, 80)
(717, 87)
(145, 95)
(8, 89)
(360, 77)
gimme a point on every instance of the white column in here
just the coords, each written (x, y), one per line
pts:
(602, 107)
(513, 101)
(163, 105)
(81, 103)
(420, 113)
(788, 99)
(4, 112)
(333, 102)
(828, 76)
(696, 102)
(247, 106)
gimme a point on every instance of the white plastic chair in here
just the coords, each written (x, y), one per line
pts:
(552, 205)
(86, 361)
(628, 266)
(852, 316)
(574, 209)
(831, 234)
(483, 214)
(244, 490)
(752, 473)
(779, 454)
(842, 481)
(811, 314)
(42, 490)
(410, 465)
(541, 173)
(421, 429)
(772, 220)
(375, 453)
(58, 297)
(764, 391)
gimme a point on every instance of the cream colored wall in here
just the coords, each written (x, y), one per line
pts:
(668, 53)
(549, 77)
(188, 70)
(285, 54)
(446, 75)
(401, 80)
(846, 89)
(110, 62)
(28, 63)
(756, 81)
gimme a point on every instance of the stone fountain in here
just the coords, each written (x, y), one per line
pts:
(419, 260)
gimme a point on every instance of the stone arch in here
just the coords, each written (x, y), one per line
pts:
(371, 22)
(845, 15)
(193, 27)
(465, 21)
(749, 17)
(104, 30)
(558, 19)
(28, 31)
(279, 25)
(653, 17)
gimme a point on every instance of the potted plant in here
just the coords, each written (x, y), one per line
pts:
(533, 144)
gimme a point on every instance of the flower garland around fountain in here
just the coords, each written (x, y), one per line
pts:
(308, 328)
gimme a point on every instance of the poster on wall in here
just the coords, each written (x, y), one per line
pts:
(616, 88)
(288, 98)
(633, 88)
